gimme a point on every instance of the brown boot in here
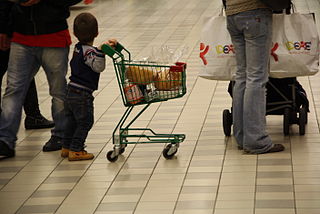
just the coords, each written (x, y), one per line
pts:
(64, 152)
(82, 155)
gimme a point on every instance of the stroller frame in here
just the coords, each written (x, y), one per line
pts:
(287, 106)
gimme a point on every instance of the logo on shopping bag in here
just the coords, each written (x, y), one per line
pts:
(203, 51)
(298, 46)
(273, 52)
(225, 49)
(221, 51)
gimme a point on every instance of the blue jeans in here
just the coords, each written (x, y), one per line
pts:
(79, 118)
(24, 63)
(251, 34)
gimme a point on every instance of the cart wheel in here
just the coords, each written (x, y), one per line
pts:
(302, 120)
(286, 121)
(110, 158)
(227, 122)
(122, 149)
(169, 152)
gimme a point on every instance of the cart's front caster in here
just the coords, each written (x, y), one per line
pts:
(169, 151)
(111, 157)
(227, 122)
(286, 120)
(302, 120)
(122, 148)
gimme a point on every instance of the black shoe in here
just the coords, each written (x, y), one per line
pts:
(5, 151)
(37, 122)
(276, 148)
(53, 144)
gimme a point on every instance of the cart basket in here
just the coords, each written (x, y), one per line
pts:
(143, 82)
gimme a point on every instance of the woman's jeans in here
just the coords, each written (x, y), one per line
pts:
(24, 63)
(79, 118)
(251, 34)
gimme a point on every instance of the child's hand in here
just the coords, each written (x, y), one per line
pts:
(112, 42)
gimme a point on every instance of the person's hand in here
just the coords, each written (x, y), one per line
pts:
(30, 3)
(4, 42)
(112, 42)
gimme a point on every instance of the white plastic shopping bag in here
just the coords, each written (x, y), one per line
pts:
(294, 52)
(216, 50)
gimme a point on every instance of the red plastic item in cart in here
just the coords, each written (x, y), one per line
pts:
(88, 1)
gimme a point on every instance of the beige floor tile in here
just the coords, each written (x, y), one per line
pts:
(59, 186)
(274, 195)
(79, 208)
(158, 206)
(239, 204)
(41, 201)
(308, 211)
(201, 182)
(274, 181)
(198, 211)
(232, 211)
(120, 198)
(197, 197)
(147, 197)
(272, 211)
(235, 196)
(307, 195)
(307, 204)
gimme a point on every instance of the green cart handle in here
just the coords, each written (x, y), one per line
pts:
(111, 52)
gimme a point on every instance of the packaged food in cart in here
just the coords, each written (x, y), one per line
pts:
(133, 93)
(139, 75)
(167, 80)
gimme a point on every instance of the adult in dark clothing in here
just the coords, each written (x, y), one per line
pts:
(40, 38)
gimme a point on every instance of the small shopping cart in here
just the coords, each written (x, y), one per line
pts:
(143, 83)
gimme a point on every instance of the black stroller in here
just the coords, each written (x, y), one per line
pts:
(284, 97)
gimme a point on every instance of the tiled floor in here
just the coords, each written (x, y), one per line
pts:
(208, 176)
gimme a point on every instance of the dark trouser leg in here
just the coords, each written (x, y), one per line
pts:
(81, 104)
(31, 103)
(34, 119)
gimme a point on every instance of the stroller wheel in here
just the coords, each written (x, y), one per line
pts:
(306, 113)
(302, 120)
(286, 120)
(227, 122)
